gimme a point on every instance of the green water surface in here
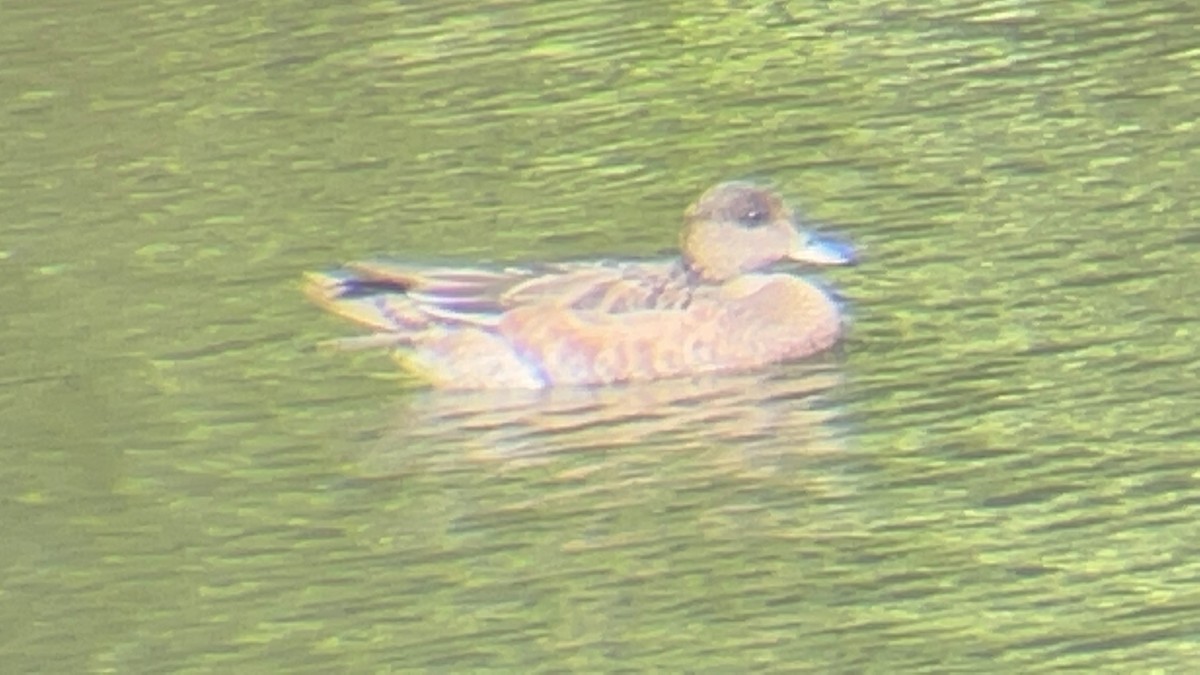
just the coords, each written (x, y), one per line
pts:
(998, 472)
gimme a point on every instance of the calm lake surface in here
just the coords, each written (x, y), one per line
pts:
(998, 471)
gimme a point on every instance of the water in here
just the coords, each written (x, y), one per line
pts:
(998, 471)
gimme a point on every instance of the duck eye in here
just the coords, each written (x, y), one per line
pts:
(753, 217)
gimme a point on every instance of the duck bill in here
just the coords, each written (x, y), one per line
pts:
(810, 248)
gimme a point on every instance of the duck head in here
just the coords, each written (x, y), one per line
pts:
(738, 227)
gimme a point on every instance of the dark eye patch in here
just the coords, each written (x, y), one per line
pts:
(751, 209)
(754, 218)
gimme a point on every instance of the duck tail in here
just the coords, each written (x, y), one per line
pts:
(383, 306)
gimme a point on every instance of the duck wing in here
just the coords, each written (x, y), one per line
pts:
(404, 297)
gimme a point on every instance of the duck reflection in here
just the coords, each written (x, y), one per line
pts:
(748, 422)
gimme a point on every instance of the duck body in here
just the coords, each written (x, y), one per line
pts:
(716, 308)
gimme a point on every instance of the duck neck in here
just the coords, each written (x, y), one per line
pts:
(708, 273)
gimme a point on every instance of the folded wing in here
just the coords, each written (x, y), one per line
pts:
(398, 297)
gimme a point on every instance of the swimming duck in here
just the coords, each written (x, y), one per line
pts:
(720, 306)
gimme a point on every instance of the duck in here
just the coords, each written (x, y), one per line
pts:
(725, 303)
